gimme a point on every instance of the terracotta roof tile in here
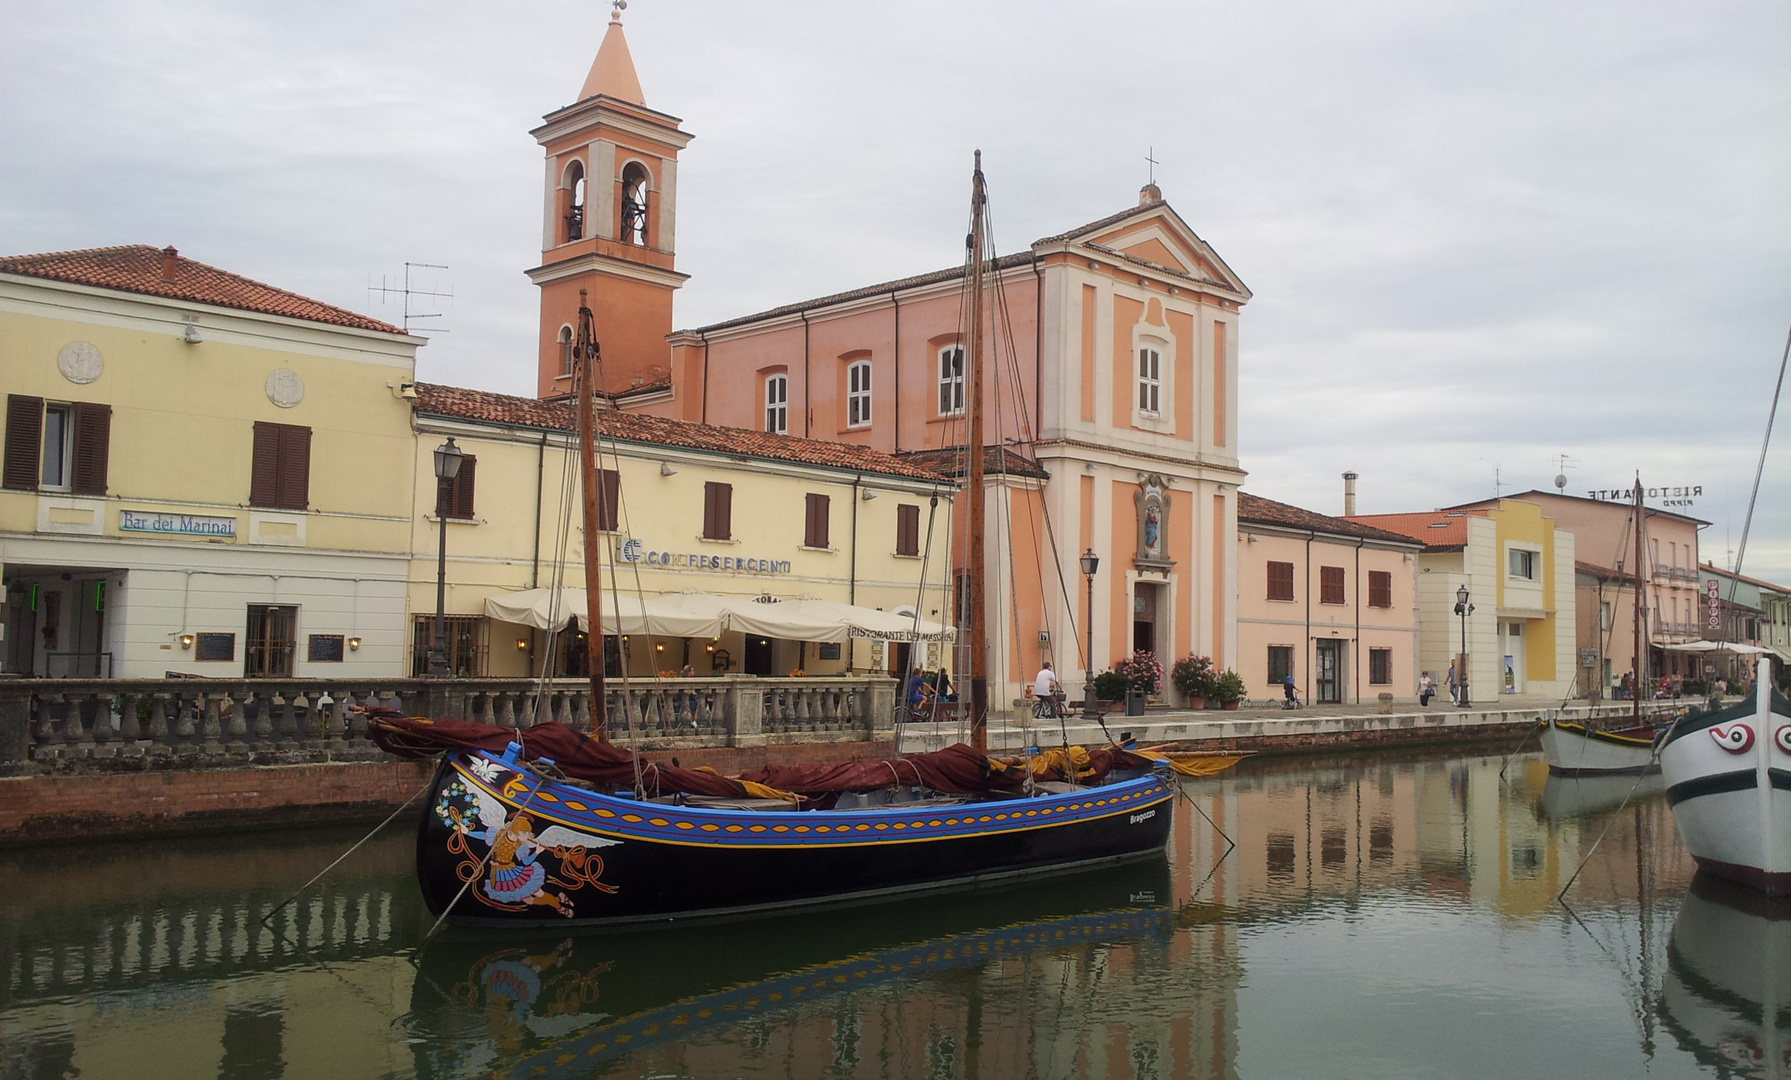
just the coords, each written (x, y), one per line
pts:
(949, 461)
(137, 268)
(1437, 529)
(459, 403)
(1255, 508)
(1020, 258)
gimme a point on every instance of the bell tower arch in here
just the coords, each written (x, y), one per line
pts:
(609, 223)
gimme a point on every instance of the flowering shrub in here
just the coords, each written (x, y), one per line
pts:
(1142, 671)
(1110, 686)
(1194, 676)
(1228, 687)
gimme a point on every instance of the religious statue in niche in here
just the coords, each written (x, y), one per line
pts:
(1153, 523)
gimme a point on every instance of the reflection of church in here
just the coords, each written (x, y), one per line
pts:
(1122, 437)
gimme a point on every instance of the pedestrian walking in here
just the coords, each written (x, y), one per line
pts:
(1426, 687)
(1454, 685)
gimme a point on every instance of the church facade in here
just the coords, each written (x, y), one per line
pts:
(1112, 382)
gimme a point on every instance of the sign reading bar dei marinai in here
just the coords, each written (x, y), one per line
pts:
(133, 521)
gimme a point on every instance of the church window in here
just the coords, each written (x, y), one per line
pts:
(575, 202)
(858, 393)
(777, 404)
(565, 350)
(634, 204)
(951, 380)
(1150, 381)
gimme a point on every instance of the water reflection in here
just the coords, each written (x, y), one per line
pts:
(1379, 915)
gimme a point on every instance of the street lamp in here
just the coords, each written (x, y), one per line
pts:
(1090, 563)
(447, 467)
(1464, 609)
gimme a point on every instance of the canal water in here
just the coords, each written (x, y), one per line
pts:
(1380, 916)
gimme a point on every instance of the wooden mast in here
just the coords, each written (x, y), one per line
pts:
(586, 351)
(974, 562)
(1641, 617)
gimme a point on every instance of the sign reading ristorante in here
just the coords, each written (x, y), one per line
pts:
(636, 552)
(134, 521)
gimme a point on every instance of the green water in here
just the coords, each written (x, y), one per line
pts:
(1380, 916)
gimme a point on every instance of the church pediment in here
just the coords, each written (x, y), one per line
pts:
(1155, 234)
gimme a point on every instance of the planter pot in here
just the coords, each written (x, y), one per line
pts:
(1196, 703)
(1113, 706)
(1229, 705)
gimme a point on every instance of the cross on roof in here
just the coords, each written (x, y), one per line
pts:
(1153, 163)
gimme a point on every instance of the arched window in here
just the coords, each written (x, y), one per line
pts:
(634, 204)
(858, 393)
(951, 380)
(565, 350)
(777, 404)
(575, 202)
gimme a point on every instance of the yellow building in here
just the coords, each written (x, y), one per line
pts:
(203, 474)
(685, 508)
(1517, 568)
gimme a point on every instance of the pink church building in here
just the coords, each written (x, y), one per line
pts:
(1112, 384)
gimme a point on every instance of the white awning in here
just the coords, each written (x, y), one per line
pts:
(708, 615)
(827, 620)
(1739, 648)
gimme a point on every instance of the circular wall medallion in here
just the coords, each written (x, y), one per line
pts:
(80, 362)
(285, 388)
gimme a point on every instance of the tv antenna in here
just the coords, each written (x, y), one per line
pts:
(387, 289)
(1561, 468)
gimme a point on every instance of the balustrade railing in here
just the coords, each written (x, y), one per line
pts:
(265, 721)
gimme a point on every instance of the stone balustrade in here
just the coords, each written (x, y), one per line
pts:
(163, 723)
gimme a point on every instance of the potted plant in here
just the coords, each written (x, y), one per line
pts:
(1194, 679)
(1110, 686)
(1228, 689)
(1143, 673)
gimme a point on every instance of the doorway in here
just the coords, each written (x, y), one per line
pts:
(1327, 673)
(270, 642)
(1513, 653)
(758, 659)
(1144, 617)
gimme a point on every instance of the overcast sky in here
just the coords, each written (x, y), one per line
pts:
(1479, 235)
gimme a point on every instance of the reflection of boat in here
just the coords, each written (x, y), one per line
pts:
(1728, 776)
(1728, 980)
(1580, 796)
(1579, 750)
(546, 1007)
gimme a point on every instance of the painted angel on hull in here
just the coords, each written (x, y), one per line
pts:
(514, 875)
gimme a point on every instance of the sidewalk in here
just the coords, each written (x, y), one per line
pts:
(1273, 729)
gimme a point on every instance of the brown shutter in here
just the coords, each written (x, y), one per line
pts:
(1281, 581)
(93, 440)
(264, 467)
(907, 529)
(1380, 589)
(24, 441)
(609, 492)
(295, 467)
(815, 528)
(1331, 586)
(455, 499)
(724, 511)
(709, 515)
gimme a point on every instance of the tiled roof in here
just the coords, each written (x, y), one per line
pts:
(1756, 582)
(1255, 508)
(1437, 529)
(137, 268)
(1620, 507)
(949, 461)
(1019, 258)
(459, 403)
(1102, 223)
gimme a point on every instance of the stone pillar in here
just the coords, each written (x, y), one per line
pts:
(880, 724)
(745, 712)
(15, 726)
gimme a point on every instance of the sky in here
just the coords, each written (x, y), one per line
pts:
(1479, 236)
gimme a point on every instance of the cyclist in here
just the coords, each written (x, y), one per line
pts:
(1048, 691)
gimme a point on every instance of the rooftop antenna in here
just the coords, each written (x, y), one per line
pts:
(616, 9)
(1498, 484)
(387, 289)
(1561, 468)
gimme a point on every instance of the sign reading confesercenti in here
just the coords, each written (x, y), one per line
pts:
(133, 521)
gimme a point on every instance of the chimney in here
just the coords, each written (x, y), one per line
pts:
(170, 259)
(1349, 494)
(1149, 193)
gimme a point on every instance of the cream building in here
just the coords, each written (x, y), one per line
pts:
(1518, 568)
(203, 474)
(685, 508)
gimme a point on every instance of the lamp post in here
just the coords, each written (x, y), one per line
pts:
(447, 467)
(1090, 563)
(1464, 609)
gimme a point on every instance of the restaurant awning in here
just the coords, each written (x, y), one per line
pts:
(709, 615)
(1737, 647)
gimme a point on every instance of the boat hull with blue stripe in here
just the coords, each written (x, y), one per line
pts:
(502, 844)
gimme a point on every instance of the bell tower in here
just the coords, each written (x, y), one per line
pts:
(609, 223)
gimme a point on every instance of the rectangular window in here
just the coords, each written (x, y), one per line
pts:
(324, 648)
(1380, 589)
(1330, 585)
(814, 531)
(951, 380)
(280, 470)
(1150, 381)
(454, 498)
(465, 636)
(1281, 581)
(1280, 664)
(609, 495)
(1523, 564)
(270, 642)
(907, 529)
(59, 439)
(777, 404)
(718, 511)
(57, 447)
(209, 647)
(1380, 666)
(858, 394)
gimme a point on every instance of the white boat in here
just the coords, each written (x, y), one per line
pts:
(1728, 980)
(1728, 776)
(1582, 750)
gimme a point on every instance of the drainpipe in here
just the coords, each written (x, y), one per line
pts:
(1311, 646)
(705, 340)
(805, 408)
(1038, 349)
(540, 467)
(1358, 607)
(852, 588)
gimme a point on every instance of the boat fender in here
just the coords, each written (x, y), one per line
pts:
(510, 753)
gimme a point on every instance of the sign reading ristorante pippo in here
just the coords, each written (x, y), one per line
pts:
(634, 551)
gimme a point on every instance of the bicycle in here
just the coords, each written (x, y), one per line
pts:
(1049, 708)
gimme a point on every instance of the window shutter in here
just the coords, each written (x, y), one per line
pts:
(815, 533)
(711, 515)
(907, 530)
(24, 441)
(1380, 589)
(609, 494)
(295, 467)
(724, 503)
(1331, 585)
(463, 486)
(1281, 581)
(264, 467)
(93, 439)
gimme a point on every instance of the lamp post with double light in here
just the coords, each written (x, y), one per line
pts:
(447, 467)
(1464, 609)
(1090, 563)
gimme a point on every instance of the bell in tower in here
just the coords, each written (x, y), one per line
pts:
(610, 223)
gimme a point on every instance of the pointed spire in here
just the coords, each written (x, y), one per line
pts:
(612, 74)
